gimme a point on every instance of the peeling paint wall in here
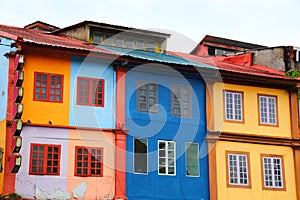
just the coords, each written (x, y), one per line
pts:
(28, 185)
(97, 187)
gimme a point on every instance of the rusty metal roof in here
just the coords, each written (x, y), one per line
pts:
(229, 42)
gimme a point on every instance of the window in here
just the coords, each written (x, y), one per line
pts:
(233, 106)
(140, 155)
(129, 42)
(192, 159)
(268, 110)
(109, 40)
(44, 159)
(90, 92)
(120, 42)
(150, 45)
(238, 169)
(88, 161)
(48, 87)
(139, 44)
(181, 101)
(98, 37)
(146, 98)
(272, 172)
(166, 157)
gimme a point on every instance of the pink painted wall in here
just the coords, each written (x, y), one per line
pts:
(97, 187)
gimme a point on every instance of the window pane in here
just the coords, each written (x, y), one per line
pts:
(233, 106)
(238, 169)
(146, 97)
(109, 40)
(96, 161)
(192, 159)
(97, 37)
(129, 43)
(272, 172)
(181, 101)
(140, 155)
(166, 157)
(139, 44)
(267, 110)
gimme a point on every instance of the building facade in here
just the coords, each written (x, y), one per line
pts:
(166, 148)
(256, 151)
(98, 111)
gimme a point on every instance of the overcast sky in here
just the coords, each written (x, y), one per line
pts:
(265, 22)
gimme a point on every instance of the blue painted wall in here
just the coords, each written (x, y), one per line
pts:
(164, 126)
(4, 62)
(91, 116)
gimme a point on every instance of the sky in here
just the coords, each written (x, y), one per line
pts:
(264, 22)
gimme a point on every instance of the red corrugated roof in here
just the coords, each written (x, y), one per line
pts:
(39, 37)
(221, 63)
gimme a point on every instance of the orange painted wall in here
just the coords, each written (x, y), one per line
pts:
(2, 145)
(39, 112)
(98, 187)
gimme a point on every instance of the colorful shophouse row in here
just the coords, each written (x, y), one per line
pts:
(116, 116)
(253, 131)
(73, 109)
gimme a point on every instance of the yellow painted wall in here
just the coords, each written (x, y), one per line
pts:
(256, 191)
(251, 112)
(2, 145)
(40, 112)
(98, 187)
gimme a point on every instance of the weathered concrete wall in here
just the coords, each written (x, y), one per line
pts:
(80, 33)
(273, 58)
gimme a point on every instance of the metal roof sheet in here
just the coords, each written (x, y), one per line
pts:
(156, 57)
(225, 41)
(255, 70)
(39, 37)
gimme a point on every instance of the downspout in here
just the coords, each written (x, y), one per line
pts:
(120, 136)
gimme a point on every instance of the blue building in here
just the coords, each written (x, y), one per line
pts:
(166, 118)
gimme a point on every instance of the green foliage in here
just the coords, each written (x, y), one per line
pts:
(292, 73)
(12, 196)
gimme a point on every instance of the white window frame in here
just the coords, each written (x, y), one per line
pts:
(198, 162)
(264, 117)
(235, 96)
(178, 100)
(134, 156)
(273, 172)
(149, 108)
(167, 158)
(237, 168)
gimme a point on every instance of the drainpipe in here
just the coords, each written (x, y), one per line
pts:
(120, 136)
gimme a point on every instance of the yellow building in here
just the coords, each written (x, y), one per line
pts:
(254, 134)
